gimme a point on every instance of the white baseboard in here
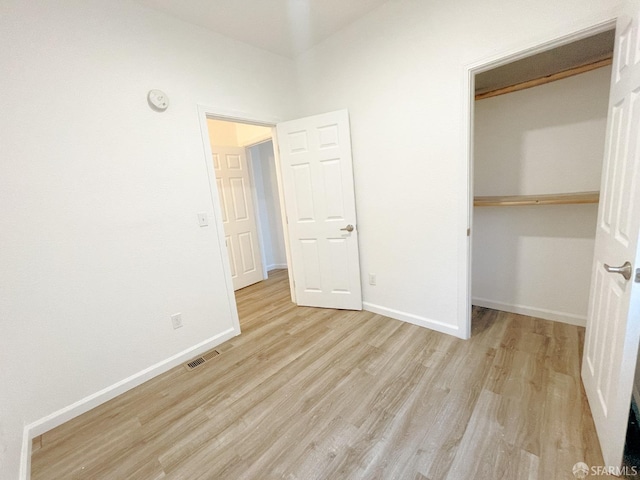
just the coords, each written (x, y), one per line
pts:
(84, 405)
(276, 266)
(413, 319)
(556, 316)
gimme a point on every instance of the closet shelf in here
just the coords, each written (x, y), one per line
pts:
(548, 199)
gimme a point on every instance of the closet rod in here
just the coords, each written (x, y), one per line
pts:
(547, 79)
(547, 199)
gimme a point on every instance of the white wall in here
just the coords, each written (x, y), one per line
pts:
(99, 194)
(266, 184)
(401, 72)
(548, 139)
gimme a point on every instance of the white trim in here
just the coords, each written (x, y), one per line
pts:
(466, 219)
(554, 315)
(413, 319)
(466, 208)
(276, 266)
(84, 405)
(239, 116)
(25, 459)
(540, 45)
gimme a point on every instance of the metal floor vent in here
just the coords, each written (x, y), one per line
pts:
(196, 362)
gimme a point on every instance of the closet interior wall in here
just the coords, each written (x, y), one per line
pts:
(536, 260)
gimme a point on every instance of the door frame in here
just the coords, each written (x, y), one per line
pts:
(228, 115)
(466, 208)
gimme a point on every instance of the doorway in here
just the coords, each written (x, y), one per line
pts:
(243, 159)
(316, 189)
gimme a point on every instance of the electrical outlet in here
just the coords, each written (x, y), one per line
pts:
(372, 279)
(176, 320)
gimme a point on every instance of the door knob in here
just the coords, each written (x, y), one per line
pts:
(348, 228)
(624, 270)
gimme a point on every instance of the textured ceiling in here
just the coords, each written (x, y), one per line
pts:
(284, 27)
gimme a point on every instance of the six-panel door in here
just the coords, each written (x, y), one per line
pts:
(613, 326)
(238, 215)
(317, 175)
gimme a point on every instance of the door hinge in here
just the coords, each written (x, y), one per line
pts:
(637, 278)
(468, 232)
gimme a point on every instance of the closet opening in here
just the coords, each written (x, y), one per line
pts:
(539, 245)
(538, 142)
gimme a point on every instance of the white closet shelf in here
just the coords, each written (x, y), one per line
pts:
(547, 199)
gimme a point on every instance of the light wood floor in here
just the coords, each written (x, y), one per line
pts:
(310, 393)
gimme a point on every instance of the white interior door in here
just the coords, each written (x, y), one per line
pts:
(317, 178)
(613, 326)
(238, 215)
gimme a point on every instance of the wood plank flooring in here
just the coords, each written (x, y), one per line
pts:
(309, 393)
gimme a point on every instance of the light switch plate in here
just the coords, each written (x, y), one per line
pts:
(176, 320)
(203, 219)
